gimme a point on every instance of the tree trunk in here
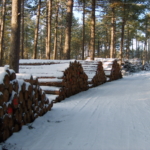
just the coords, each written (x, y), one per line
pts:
(22, 30)
(61, 46)
(112, 40)
(2, 32)
(122, 34)
(68, 30)
(122, 40)
(98, 50)
(92, 40)
(128, 43)
(56, 27)
(48, 39)
(148, 50)
(15, 35)
(36, 31)
(83, 32)
(145, 42)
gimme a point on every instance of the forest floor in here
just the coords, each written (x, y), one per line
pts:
(112, 116)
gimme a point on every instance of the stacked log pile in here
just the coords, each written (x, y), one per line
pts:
(111, 68)
(94, 71)
(59, 79)
(20, 102)
(132, 65)
(146, 66)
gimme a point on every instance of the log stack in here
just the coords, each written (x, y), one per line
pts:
(132, 65)
(95, 72)
(111, 68)
(20, 102)
(146, 66)
(58, 78)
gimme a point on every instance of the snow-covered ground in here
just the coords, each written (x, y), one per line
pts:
(112, 116)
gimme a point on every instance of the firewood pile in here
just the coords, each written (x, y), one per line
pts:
(111, 68)
(132, 65)
(21, 101)
(94, 71)
(146, 66)
(58, 78)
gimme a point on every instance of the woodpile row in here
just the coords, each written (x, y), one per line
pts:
(132, 65)
(58, 79)
(111, 68)
(146, 66)
(21, 102)
(94, 71)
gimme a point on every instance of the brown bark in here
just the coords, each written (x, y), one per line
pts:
(92, 40)
(2, 31)
(83, 32)
(36, 31)
(112, 41)
(122, 33)
(56, 28)
(68, 30)
(128, 43)
(145, 42)
(48, 38)
(22, 30)
(15, 35)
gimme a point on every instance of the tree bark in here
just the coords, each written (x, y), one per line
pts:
(22, 30)
(2, 32)
(112, 40)
(83, 32)
(146, 37)
(92, 40)
(36, 31)
(68, 30)
(128, 43)
(56, 27)
(15, 35)
(122, 34)
(48, 39)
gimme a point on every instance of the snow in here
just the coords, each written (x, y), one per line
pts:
(2, 75)
(23, 76)
(42, 61)
(55, 70)
(112, 116)
(51, 97)
(50, 80)
(50, 88)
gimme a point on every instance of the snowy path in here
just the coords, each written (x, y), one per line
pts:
(113, 116)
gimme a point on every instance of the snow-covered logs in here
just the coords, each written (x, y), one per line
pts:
(132, 65)
(111, 68)
(146, 66)
(58, 78)
(94, 71)
(20, 102)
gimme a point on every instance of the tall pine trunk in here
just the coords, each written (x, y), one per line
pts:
(92, 40)
(146, 37)
(15, 35)
(122, 34)
(2, 32)
(128, 43)
(36, 31)
(56, 27)
(83, 32)
(48, 38)
(22, 30)
(112, 40)
(66, 53)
